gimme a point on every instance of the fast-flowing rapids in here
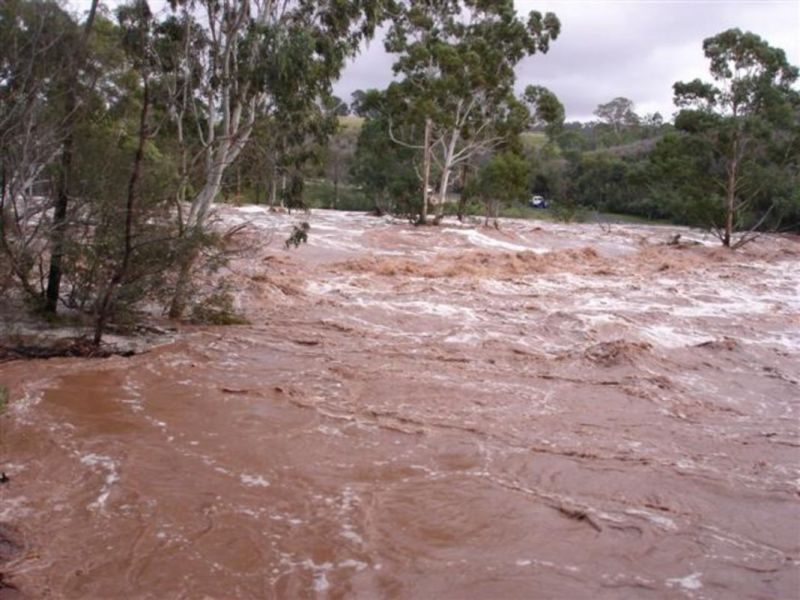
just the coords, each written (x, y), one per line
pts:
(544, 411)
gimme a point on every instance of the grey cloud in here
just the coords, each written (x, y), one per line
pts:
(636, 49)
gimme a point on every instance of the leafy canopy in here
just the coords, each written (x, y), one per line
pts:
(745, 132)
(453, 52)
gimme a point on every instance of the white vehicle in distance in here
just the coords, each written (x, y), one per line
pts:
(538, 202)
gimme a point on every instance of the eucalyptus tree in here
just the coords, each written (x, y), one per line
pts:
(340, 147)
(456, 63)
(259, 56)
(547, 112)
(500, 181)
(302, 134)
(76, 66)
(286, 145)
(37, 41)
(178, 42)
(338, 106)
(653, 124)
(748, 120)
(618, 114)
(386, 171)
(136, 24)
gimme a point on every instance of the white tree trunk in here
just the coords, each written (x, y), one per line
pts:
(426, 177)
(447, 170)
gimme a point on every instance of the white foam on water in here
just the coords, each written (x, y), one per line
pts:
(466, 338)
(14, 508)
(328, 430)
(253, 480)
(501, 287)
(416, 307)
(351, 563)
(690, 582)
(482, 240)
(659, 520)
(320, 582)
(252, 208)
(669, 337)
(26, 403)
(351, 535)
(107, 464)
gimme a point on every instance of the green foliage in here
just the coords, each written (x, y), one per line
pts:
(623, 136)
(217, 309)
(456, 65)
(745, 134)
(272, 62)
(618, 115)
(384, 170)
(321, 193)
(504, 177)
(38, 45)
(105, 148)
(548, 112)
(678, 171)
(501, 181)
(294, 143)
(130, 118)
(568, 211)
(747, 119)
(291, 52)
(4, 396)
(337, 106)
(612, 184)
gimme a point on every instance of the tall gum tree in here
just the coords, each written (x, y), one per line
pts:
(748, 117)
(136, 22)
(456, 61)
(259, 56)
(37, 46)
(72, 75)
(617, 114)
(386, 171)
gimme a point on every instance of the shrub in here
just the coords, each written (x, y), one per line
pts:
(217, 309)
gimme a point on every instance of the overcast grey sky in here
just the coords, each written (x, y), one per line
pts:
(631, 48)
(609, 48)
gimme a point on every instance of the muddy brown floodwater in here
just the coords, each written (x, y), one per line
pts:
(544, 411)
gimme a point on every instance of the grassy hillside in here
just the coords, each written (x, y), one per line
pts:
(351, 123)
(533, 140)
